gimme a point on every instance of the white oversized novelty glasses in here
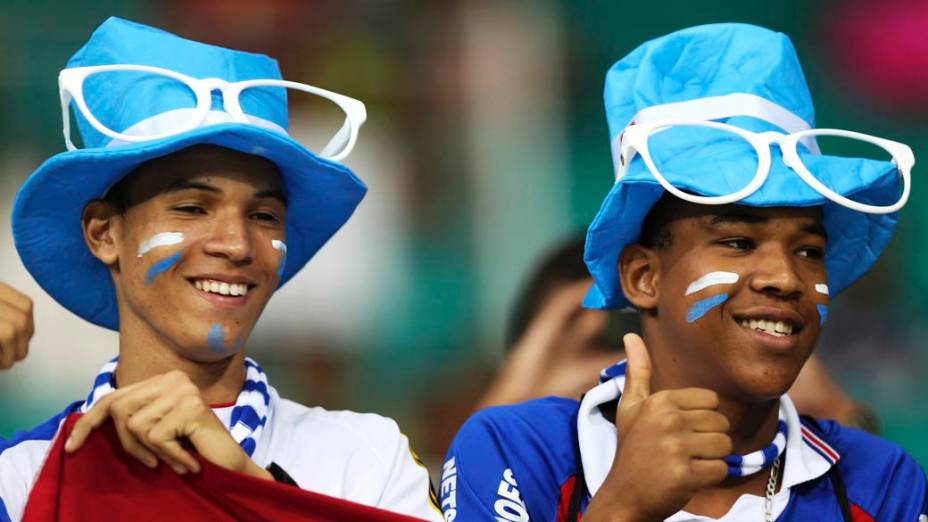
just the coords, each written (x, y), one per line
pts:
(697, 113)
(71, 82)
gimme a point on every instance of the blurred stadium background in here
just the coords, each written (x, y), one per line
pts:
(485, 145)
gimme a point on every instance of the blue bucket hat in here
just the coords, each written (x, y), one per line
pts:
(728, 63)
(321, 194)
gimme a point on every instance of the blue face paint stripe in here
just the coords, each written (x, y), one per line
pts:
(161, 267)
(216, 338)
(282, 263)
(701, 308)
(822, 314)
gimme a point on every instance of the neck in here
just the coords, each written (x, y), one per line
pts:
(144, 354)
(753, 423)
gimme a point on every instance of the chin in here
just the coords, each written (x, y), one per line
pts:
(766, 382)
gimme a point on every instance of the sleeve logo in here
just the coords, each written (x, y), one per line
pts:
(448, 489)
(509, 505)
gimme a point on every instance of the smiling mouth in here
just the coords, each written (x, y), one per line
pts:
(221, 288)
(769, 327)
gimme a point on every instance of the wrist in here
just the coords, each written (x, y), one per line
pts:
(255, 470)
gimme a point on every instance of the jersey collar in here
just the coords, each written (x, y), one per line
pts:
(807, 455)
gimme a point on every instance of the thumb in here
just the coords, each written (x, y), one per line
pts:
(637, 372)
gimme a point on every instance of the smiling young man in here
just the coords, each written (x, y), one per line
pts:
(188, 208)
(728, 231)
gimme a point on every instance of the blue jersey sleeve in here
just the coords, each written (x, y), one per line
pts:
(880, 477)
(906, 495)
(505, 465)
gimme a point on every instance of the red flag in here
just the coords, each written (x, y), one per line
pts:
(103, 482)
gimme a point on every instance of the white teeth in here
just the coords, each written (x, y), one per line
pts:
(221, 288)
(774, 328)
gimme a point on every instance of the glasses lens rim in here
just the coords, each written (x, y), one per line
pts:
(754, 183)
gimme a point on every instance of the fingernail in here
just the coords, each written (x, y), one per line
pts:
(68, 443)
(180, 470)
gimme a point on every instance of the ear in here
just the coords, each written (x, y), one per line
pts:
(639, 273)
(101, 223)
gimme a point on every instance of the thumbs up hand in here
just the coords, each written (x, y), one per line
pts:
(670, 445)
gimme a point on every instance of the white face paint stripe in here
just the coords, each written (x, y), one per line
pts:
(160, 240)
(710, 279)
(821, 288)
(279, 245)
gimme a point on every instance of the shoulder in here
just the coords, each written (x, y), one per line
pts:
(21, 459)
(362, 457)
(880, 477)
(336, 430)
(510, 461)
(553, 418)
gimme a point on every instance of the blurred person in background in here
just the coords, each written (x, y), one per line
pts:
(554, 346)
(174, 226)
(729, 231)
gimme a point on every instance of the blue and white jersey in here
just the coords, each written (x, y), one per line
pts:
(360, 457)
(520, 463)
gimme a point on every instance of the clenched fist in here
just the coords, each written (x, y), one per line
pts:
(16, 326)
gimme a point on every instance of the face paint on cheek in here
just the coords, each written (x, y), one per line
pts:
(711, 279)
(282, 264)
(701, 308)
(822, 314)
(160, 267)
(822, 288)
(160, 240)
(216, 338)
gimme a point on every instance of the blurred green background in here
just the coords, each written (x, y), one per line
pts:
(486, 143)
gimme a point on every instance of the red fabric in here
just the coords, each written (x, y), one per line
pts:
(859, 515)
(103, 482)
(563, 503)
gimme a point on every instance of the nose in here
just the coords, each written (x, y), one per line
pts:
(775, 274)
(231, 239)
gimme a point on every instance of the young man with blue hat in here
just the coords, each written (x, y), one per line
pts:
(728, 231)
(186, 208)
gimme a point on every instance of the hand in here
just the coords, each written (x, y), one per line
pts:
(560, 352)
(671, 444)
(16, 326)
(154, 417)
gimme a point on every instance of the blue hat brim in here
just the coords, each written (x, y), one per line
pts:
(855, 239)
(321, 196)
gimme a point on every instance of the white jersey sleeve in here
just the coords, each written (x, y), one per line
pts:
(408, 489)
(361, 457)
(21, 459)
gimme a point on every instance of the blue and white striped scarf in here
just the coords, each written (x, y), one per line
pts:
(249, 415)
(738, 465)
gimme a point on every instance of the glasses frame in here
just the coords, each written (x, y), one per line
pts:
(634, 140)
(71, 83)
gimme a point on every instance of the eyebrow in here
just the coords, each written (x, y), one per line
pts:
(734, 218)
(272, 193)
(815, 229)
(196, 185)
(192, 185)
